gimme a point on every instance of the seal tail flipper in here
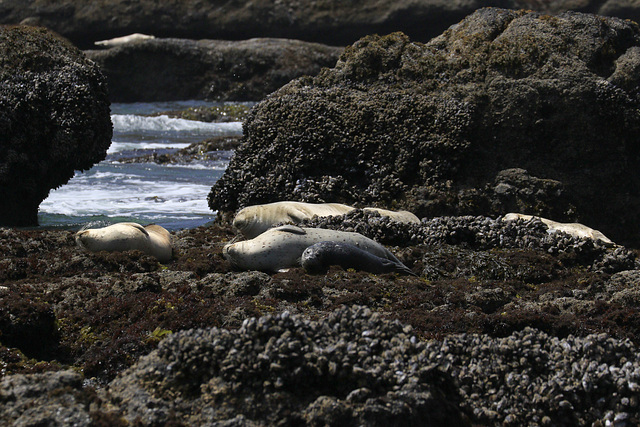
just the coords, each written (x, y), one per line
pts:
(396, 266)
(404, 269)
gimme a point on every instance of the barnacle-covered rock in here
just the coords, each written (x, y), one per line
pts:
(354, 368)
(54, 118)
(507, 110)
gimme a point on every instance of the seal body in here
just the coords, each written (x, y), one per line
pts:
(280, 248)
(318, 257)
(153, 240)
(399, 216)
(124, 40)
(572, 228)
(254, 220)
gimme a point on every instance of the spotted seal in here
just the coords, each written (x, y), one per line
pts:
(280, 248)
(153, 239)
(318, 257)
(254, 220)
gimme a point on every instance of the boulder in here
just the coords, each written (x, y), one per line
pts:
(212, 69)
(502, 99)
(333, 22)
(54, 118)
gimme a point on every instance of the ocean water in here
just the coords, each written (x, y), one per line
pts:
(173, 196)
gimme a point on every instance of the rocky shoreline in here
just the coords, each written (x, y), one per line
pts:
(504, 322)
(332, 22)
(508, 296)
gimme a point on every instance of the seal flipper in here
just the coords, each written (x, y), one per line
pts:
(136, 226)
(397, 267)
(288, 228)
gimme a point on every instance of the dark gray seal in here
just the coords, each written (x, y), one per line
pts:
(318, 257)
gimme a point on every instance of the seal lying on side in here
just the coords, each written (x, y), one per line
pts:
(123, 40)
(152, 240)
(254, 220)
(319, 257)
(572, 228)
(280, 248)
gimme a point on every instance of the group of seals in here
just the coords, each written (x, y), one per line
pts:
(153, 239)
(572, 228)
(281, 248)
(255, 220)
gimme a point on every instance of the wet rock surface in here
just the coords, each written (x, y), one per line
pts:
(207, 69)
(211, 150)
(54, 119)
(455, 126)
(502, 320)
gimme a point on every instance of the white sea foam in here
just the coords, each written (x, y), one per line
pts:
(129, 122)
(117, 146)
(174, 196)
(140, 191)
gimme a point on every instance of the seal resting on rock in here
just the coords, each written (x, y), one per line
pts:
(254, 220)
(319, 257)
(153, 240)
(124, 40)
(572, 228)
(280, 248)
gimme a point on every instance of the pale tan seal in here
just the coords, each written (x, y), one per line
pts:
(153, 240)
(280, 248)
(399, 216)
(254, 220)
(124, 40)
(572, 228)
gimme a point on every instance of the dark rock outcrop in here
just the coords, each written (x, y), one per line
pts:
(438, 128)
(54, 118)
(176, 69)
(333, 22)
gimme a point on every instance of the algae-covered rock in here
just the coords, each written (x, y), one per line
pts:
(448, 127)
(54, 118)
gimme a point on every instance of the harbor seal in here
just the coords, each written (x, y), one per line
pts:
(318, 257)
(254, 220)
(572, 228)
(153, 239)
(280, 248)
(123, 40)
(399, 216)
